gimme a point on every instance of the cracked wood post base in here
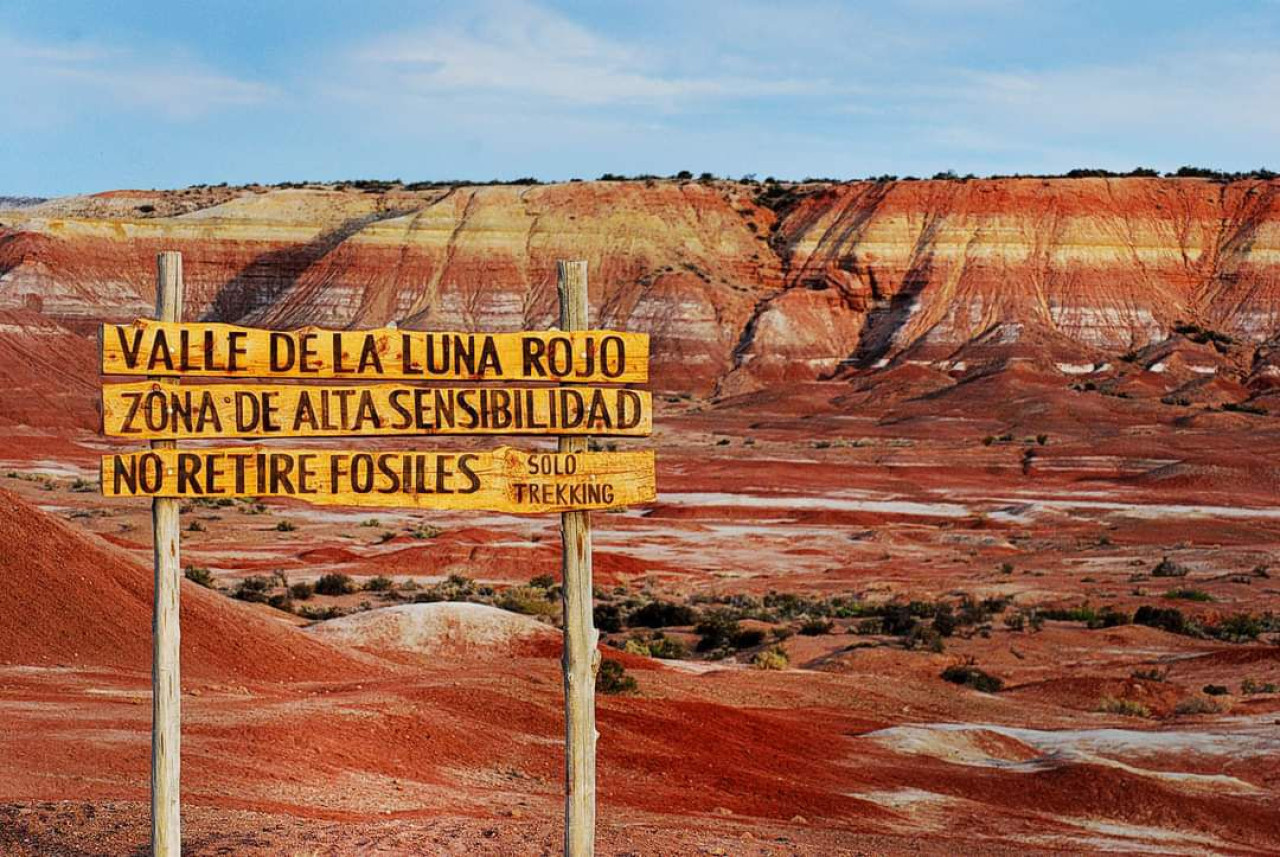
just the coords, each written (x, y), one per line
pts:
(166, 717)
(580, 637)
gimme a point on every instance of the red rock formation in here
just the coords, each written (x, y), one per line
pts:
(739, 291)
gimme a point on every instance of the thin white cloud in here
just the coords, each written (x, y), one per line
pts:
(47, 82)
(518, 49)
(1236, 90)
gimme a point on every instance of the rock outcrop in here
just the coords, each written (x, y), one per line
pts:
(742, 287)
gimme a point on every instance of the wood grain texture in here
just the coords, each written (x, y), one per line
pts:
(149, 410)
(581, 655)
(166, 635)
(208, 349)
(500, 480)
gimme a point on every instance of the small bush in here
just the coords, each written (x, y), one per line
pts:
(1198, 705)
(1165, 618)
(662, 614)
(613, 679)
(658, 646)
(969, 675)
(335, 583)
(379, 584)
(370, 522)
(607, 617)
(1249, 687)
(281, 601)
(1123, 707)
(1215, 690)
(526, 600)
(662, 646)
(717, 630)
(320, 614)
(197, 574)
(195, 527)
(774, 658)
(286, 526)
(543, 581)
(1153, 674)
(302, 591)
(816, 627)
(457, 587)
(1189, 595)
(1240, 628)
(253, 589)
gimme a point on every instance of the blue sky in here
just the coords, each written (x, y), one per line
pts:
(98, 95)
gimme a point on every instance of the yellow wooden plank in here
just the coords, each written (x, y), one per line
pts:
(499, 480)
(149, 409)
(209, 349)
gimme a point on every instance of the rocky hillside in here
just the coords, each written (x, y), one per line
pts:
(743, 286)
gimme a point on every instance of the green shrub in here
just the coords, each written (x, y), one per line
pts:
(774, 658)
(379, 584)
(1153, 674)
(969, 675)
(320, 614)
(302, 591)
(816, 627)
(1215, 690)
(662, 614)
(543, 581)
(613, 679)
(1198, 705)
(456, 587)
(1242, 627)
(527, 600)
(607, 617)
(253, 588)
(335, 583)
(717, 630)
(1250, 686)
(286, 526)
(1189, 595)
(200, 575)
(195, 527)
(658, 646)
(1165, 618)
(1123, 707)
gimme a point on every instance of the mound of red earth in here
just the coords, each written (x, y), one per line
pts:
(71, 600)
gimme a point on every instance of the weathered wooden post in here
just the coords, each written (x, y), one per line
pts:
(581, 657)
(166, 716)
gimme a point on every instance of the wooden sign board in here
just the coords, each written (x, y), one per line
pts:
(501, 480)
(150, 410)
(207, 349)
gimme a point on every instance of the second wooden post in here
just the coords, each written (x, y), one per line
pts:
(166, 687)
(581, 656)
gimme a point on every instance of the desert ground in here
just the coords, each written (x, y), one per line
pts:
(1011, 594)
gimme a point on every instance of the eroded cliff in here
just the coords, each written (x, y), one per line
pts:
(742, 287)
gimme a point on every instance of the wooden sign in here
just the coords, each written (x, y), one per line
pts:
(208, 349)
(571, 481)
(155, 410)
(501, 480)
